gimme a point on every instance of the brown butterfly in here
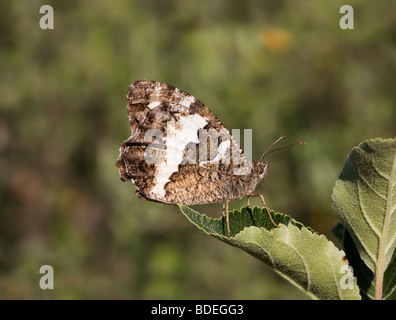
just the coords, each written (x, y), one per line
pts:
(180, 152)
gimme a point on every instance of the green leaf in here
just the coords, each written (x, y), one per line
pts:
(306, 259)
(389, 285)
(364, 199)
(365, 277)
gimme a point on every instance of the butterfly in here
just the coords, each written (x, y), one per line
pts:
(180, 153)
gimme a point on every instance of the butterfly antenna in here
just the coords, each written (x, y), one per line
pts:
(281, 148)
(270, 146)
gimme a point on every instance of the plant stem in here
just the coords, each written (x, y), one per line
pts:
(379, 278)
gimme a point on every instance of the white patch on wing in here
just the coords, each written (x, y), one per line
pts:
(223, 147)
(177, 137)
(187, 101)
(157, 88)
(154, 104)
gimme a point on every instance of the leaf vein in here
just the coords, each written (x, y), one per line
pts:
(364, 213)
(383, 243)
(390, 244)
(383, 175)
(306, 268)
(373, 189)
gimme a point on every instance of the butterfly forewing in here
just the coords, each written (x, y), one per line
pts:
(178, 151)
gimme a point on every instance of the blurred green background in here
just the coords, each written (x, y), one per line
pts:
(278, 67)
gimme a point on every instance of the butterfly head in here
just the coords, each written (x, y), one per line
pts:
(260, 169)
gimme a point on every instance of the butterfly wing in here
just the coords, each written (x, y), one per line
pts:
(178, 151)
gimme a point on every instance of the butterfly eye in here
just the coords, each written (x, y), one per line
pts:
(262, 169)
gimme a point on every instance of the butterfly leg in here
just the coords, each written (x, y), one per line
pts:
(264, 204)
(225, 209)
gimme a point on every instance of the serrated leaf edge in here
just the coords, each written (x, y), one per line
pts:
(325, 244)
